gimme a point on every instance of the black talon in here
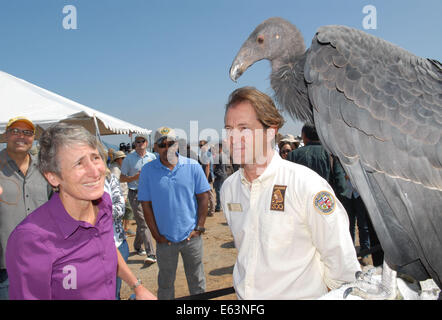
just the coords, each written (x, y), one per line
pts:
(347, 292)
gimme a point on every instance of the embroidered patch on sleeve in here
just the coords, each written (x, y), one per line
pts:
(278, 197)
(324, 202)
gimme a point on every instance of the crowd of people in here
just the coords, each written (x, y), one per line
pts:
(64, 214)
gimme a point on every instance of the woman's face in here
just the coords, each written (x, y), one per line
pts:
(285, 150)
(82, 173)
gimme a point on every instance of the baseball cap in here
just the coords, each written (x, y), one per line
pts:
(144, 136)
(163, 133)
(22, 119)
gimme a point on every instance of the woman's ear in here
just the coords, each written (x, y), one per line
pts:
(52, 179)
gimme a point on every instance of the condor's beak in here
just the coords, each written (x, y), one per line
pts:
(241, 63)
(235, 71)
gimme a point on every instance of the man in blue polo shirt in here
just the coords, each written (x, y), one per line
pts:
(173, 191)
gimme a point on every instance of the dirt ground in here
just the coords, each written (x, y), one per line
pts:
(218, 258)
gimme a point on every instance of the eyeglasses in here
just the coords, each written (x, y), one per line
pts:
(168, 144)
(140, 141)
(17, 132)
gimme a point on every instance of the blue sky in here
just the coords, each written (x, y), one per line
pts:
(156, 63)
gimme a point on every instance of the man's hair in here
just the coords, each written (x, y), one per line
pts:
(264, 107)
(309, 130)
(62, 135)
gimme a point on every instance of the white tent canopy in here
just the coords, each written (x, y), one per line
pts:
(44, 108)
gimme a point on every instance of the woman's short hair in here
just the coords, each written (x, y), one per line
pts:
(264, 107)
(62, 135)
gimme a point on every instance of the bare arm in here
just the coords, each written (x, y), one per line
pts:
(124, 178)
(203, 206)
(207, 170)
(127, 276)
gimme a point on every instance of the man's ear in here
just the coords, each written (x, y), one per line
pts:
(271, 133)
(52, 178)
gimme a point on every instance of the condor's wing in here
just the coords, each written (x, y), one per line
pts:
(379, 109)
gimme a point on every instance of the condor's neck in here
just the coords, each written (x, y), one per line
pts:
(288, 83)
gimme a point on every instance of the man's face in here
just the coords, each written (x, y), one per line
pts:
(167, 150)
(140, 145)
(246, 136)
(18, 139)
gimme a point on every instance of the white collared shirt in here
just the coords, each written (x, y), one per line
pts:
(296, 250)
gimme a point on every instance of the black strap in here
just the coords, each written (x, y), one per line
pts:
(374, 249)
(209, 295)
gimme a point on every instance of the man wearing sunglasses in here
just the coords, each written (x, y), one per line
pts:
(24, 188)
(174, 194)
(130, 173)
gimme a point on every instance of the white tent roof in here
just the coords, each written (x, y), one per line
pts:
(21, 98)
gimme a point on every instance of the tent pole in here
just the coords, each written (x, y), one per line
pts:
(97, 130)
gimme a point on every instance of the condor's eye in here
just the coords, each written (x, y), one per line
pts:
(260, 39)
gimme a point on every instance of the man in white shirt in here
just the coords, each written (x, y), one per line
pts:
(291, 232)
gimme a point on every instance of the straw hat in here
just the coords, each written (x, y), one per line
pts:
(118, 155)
(288, 138)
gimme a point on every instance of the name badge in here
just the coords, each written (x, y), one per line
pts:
(236, 207)
(278, 197)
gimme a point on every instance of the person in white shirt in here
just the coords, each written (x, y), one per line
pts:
(291, 232)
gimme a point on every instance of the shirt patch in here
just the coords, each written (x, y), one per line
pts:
(324, 202)
(278, 197)
(235, 207)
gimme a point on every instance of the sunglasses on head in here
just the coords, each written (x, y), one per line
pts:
(16, 132)
(166, 144)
